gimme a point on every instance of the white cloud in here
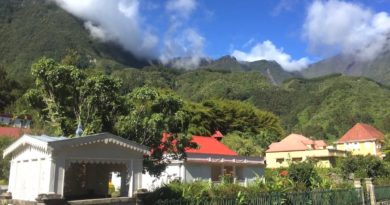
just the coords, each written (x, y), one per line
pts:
(182, 43)
(115, 20)
(189, 45)
(181, 7)
(268, 51)
(338, 26)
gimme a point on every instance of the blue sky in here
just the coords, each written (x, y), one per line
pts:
(294, 33)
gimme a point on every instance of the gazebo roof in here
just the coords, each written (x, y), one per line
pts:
(49, 143)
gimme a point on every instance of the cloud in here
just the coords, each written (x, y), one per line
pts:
(268, 51)
(115, 20)
(182, 43)
(188, 45)
(181, 7)
(338, 26)
(284, 5)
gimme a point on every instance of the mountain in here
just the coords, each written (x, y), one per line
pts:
(30, 29)
(201, 85)
(270, 69)
(323, 107)
(377, 69)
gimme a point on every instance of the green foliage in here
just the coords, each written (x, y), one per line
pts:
(201, 85)
(243, 144)
(64, 94)
(10, 90)
(4, 162)
(326, 107)
(386, 147)
(133, 78)
(364, 166)
(150, 113)
(303, 173)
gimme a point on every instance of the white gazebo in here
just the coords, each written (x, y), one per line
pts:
(73, 168)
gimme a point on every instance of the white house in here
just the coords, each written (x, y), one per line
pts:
(73, 168)
(209, 161)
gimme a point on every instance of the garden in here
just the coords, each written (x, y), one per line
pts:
(301, 183)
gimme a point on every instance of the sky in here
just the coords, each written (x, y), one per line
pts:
(294, 33)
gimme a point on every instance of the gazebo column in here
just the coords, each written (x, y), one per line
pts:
(124, 190)
(130, 177)
(51, 176)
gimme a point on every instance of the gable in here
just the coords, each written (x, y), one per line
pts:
(62, 144)
(361, 132)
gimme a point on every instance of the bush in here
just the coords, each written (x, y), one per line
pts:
(364, 166)
(303, 173)
(4, 162)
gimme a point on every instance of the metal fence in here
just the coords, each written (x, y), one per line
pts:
(326, 197)
(382, 193)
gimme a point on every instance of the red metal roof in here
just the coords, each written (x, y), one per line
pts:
(296, 142)
(209, 145)
(13, 131)
(361, 132)
(206, 145)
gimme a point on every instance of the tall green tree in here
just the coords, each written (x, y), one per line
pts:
(64, 95)
(152, 113)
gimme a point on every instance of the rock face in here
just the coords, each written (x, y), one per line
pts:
(377, 69)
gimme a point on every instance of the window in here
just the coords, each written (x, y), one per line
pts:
(297, 159)
(279, 160)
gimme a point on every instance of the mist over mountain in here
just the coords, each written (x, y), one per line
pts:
(377, 69)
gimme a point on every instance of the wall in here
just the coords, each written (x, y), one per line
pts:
(361, 148)
(197, 171)
(174, 171)
(325, 156)
(29, 174)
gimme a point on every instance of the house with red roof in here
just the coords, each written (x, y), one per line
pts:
(298, 148)
(13, 132)
(362, 139)
(211, 160)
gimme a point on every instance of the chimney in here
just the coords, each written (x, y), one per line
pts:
(217, 135)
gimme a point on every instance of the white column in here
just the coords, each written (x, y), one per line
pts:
(183, 172)
(11, 182)
(61, 164)
(51, 177)
(130, 177)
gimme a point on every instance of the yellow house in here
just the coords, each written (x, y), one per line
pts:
(362, 139)
(297, 148)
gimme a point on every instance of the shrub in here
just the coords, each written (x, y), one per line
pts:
(303, 174)
(364, 166)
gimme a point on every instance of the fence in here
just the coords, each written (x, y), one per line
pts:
(382, 193)
(326, 197)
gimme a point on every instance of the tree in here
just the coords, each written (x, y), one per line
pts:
(242, 144)
(151, 113)
(364, 166)
(64, 95)
(9, 90)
